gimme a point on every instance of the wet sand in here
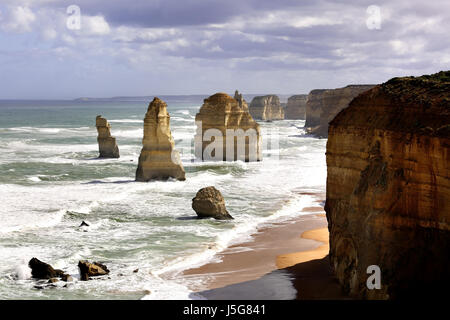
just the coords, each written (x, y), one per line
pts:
(283, 261)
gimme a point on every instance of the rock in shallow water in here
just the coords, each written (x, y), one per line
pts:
(42, 270)
(209, 203)
(88, 269)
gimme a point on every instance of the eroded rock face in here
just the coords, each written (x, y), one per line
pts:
(388, 188)
(209, 203)
(296, 107)
(226, 131)
(94, 269)
(240, 99)
(158, 160)
(107, 145)
(266, 108)
(323, 105)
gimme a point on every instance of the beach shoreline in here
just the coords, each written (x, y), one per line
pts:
(274, 264)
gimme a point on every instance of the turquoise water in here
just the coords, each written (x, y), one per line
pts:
(50, 181)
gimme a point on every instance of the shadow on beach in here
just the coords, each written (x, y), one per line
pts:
(311, 280)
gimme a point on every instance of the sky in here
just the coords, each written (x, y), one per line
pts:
(147, 47)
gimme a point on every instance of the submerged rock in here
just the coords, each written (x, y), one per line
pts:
(106, 143)
(388, 189)
(226, 131)
(209, 203)
(266, 108)
(94, 269)
(42, 270)
(158, 160)
(84, 224)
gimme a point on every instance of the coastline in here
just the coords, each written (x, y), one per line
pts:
(287, 260)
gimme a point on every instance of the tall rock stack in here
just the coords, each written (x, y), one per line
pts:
(107, 145)
(296, 107)
(266, 108)
(158, 160)
(323, 105)
(224, 123)
(240, 99)
(388, 188)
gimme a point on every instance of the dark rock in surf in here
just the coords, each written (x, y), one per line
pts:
(209, 203)
(94, 269)
(42, 270)
(84, 224)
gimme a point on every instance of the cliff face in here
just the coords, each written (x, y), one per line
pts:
(324, 105)
(107, 145)
(158, 159)
(226, 131)
(388, 188)
(296, 107)
(266, 108)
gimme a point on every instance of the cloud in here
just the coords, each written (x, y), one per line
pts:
(320, 43)
(18, 19)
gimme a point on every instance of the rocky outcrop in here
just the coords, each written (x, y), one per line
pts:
(388, 188)
(323, 105)
(296, 107)
(158, 160)
(314, 106)
(266, 108)
(42, 270)
(94, 269)
(209, 203)
(226, 131)
(107, 145)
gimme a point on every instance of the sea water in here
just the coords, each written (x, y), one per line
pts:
(51, 181)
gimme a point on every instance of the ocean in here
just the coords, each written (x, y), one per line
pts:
(51, 181)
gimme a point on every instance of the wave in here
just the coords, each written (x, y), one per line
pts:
(126, 121)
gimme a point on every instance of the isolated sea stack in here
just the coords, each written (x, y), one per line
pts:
(296, 107)
(388, 188)
(209, 203)
(226, 131)
(266, 108)
(107, 145)
(323, 105)
(158, 160)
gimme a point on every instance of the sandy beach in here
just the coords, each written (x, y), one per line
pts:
(284, 261)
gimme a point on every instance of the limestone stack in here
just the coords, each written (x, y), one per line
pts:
(106, 143)
(388, 188)
(158, 160)
(314, 106)
(225, 123)
(296, 107)
(324, 105)
(266, 108)
(240, 99)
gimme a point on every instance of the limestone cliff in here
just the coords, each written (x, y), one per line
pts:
(158, 159)
(266, 108)
(296, 107)
(388, 188)
(226, 131)
(107, 145)
(323, 105)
